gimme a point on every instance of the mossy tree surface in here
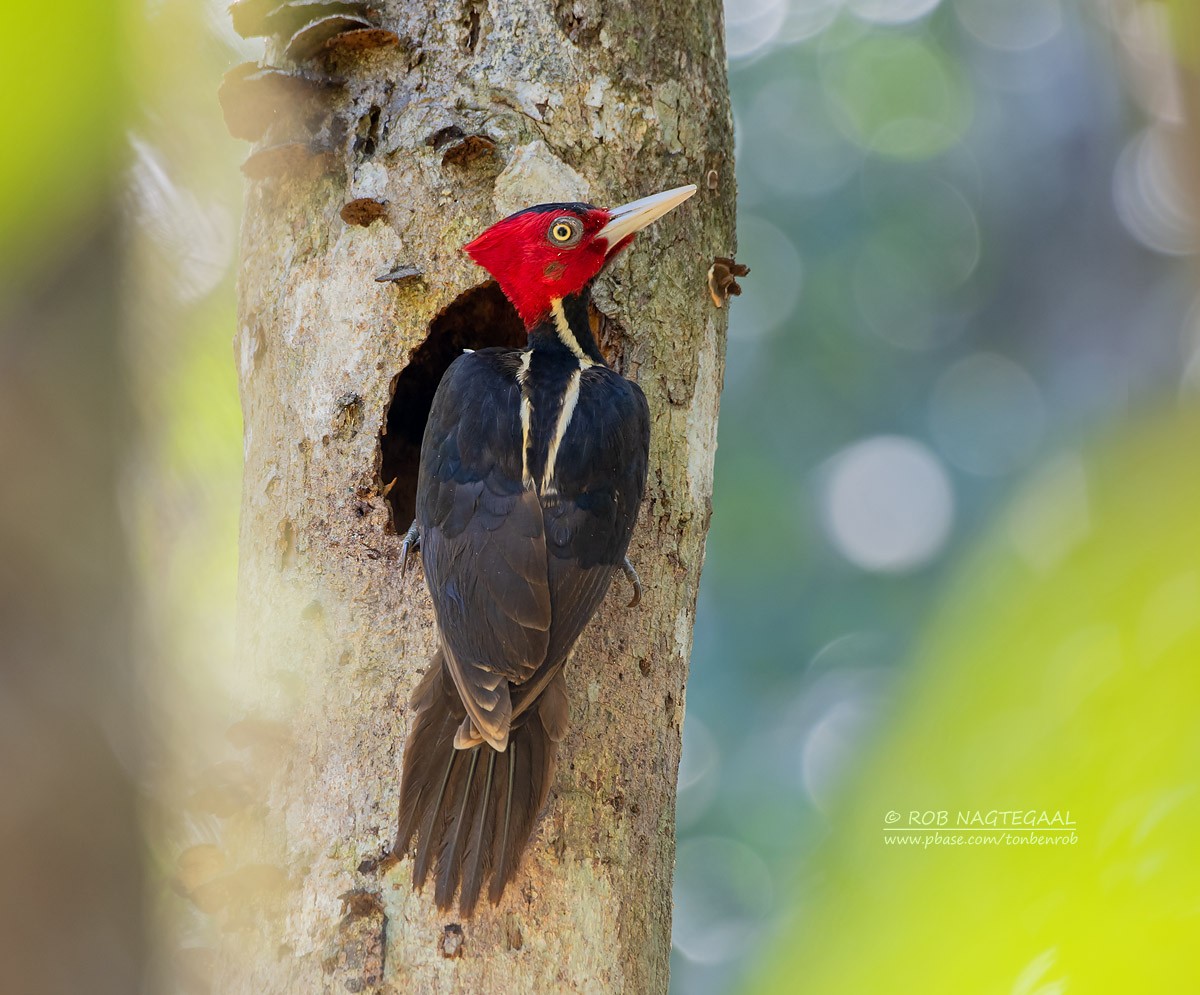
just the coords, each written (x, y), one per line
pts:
(584, 101)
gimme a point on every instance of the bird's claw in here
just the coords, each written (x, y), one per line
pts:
(411, 544)
(635, 580)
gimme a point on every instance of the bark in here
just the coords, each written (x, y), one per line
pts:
(586, 101)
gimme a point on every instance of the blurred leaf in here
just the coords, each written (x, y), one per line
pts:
(65, 99)
(1185, 26)
(1064, 681)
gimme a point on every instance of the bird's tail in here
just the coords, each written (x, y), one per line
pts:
(472, 810)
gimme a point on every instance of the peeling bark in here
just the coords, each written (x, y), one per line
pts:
(479, 110)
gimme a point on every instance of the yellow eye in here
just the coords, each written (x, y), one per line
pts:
(566, 231)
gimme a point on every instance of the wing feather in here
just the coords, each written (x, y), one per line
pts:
(482, 539)
(600, 479)
(515, 578)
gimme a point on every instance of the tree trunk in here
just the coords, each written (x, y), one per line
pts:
(478, 111)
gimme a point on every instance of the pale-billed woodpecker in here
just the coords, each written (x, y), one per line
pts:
(533, 465)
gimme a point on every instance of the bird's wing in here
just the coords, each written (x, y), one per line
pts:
(600, 477)
(482, 538)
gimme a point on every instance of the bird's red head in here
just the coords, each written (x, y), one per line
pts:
(554, 250)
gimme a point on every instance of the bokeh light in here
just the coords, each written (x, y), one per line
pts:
(698, 773)
(831, 748)
(1149, 196)
(752, 25)
(811, 157)
(724, 897)
(1012, 25)
(921, 252)
(770, 251)
(806, 19)
(888, 503)
(891, 11)
(1053, 514)
(987, 415)
(901, 96)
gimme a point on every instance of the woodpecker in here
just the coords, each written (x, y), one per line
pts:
(533, 465)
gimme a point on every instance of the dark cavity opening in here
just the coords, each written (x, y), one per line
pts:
(478, 318)
(366, 136)
(471, 38)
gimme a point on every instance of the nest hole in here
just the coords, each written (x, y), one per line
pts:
(478, 318)
(366, 135)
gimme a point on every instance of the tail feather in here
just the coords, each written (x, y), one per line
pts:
(473, 810)
(477, 858)
(504, 849)
(450, 859)
(529, 787)
(429, 832)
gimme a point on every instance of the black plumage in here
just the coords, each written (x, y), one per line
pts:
(533, 466)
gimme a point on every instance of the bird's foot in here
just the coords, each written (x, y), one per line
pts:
(411, 544)
(635, 580)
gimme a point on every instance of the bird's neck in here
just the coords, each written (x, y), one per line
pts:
(566, 329)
